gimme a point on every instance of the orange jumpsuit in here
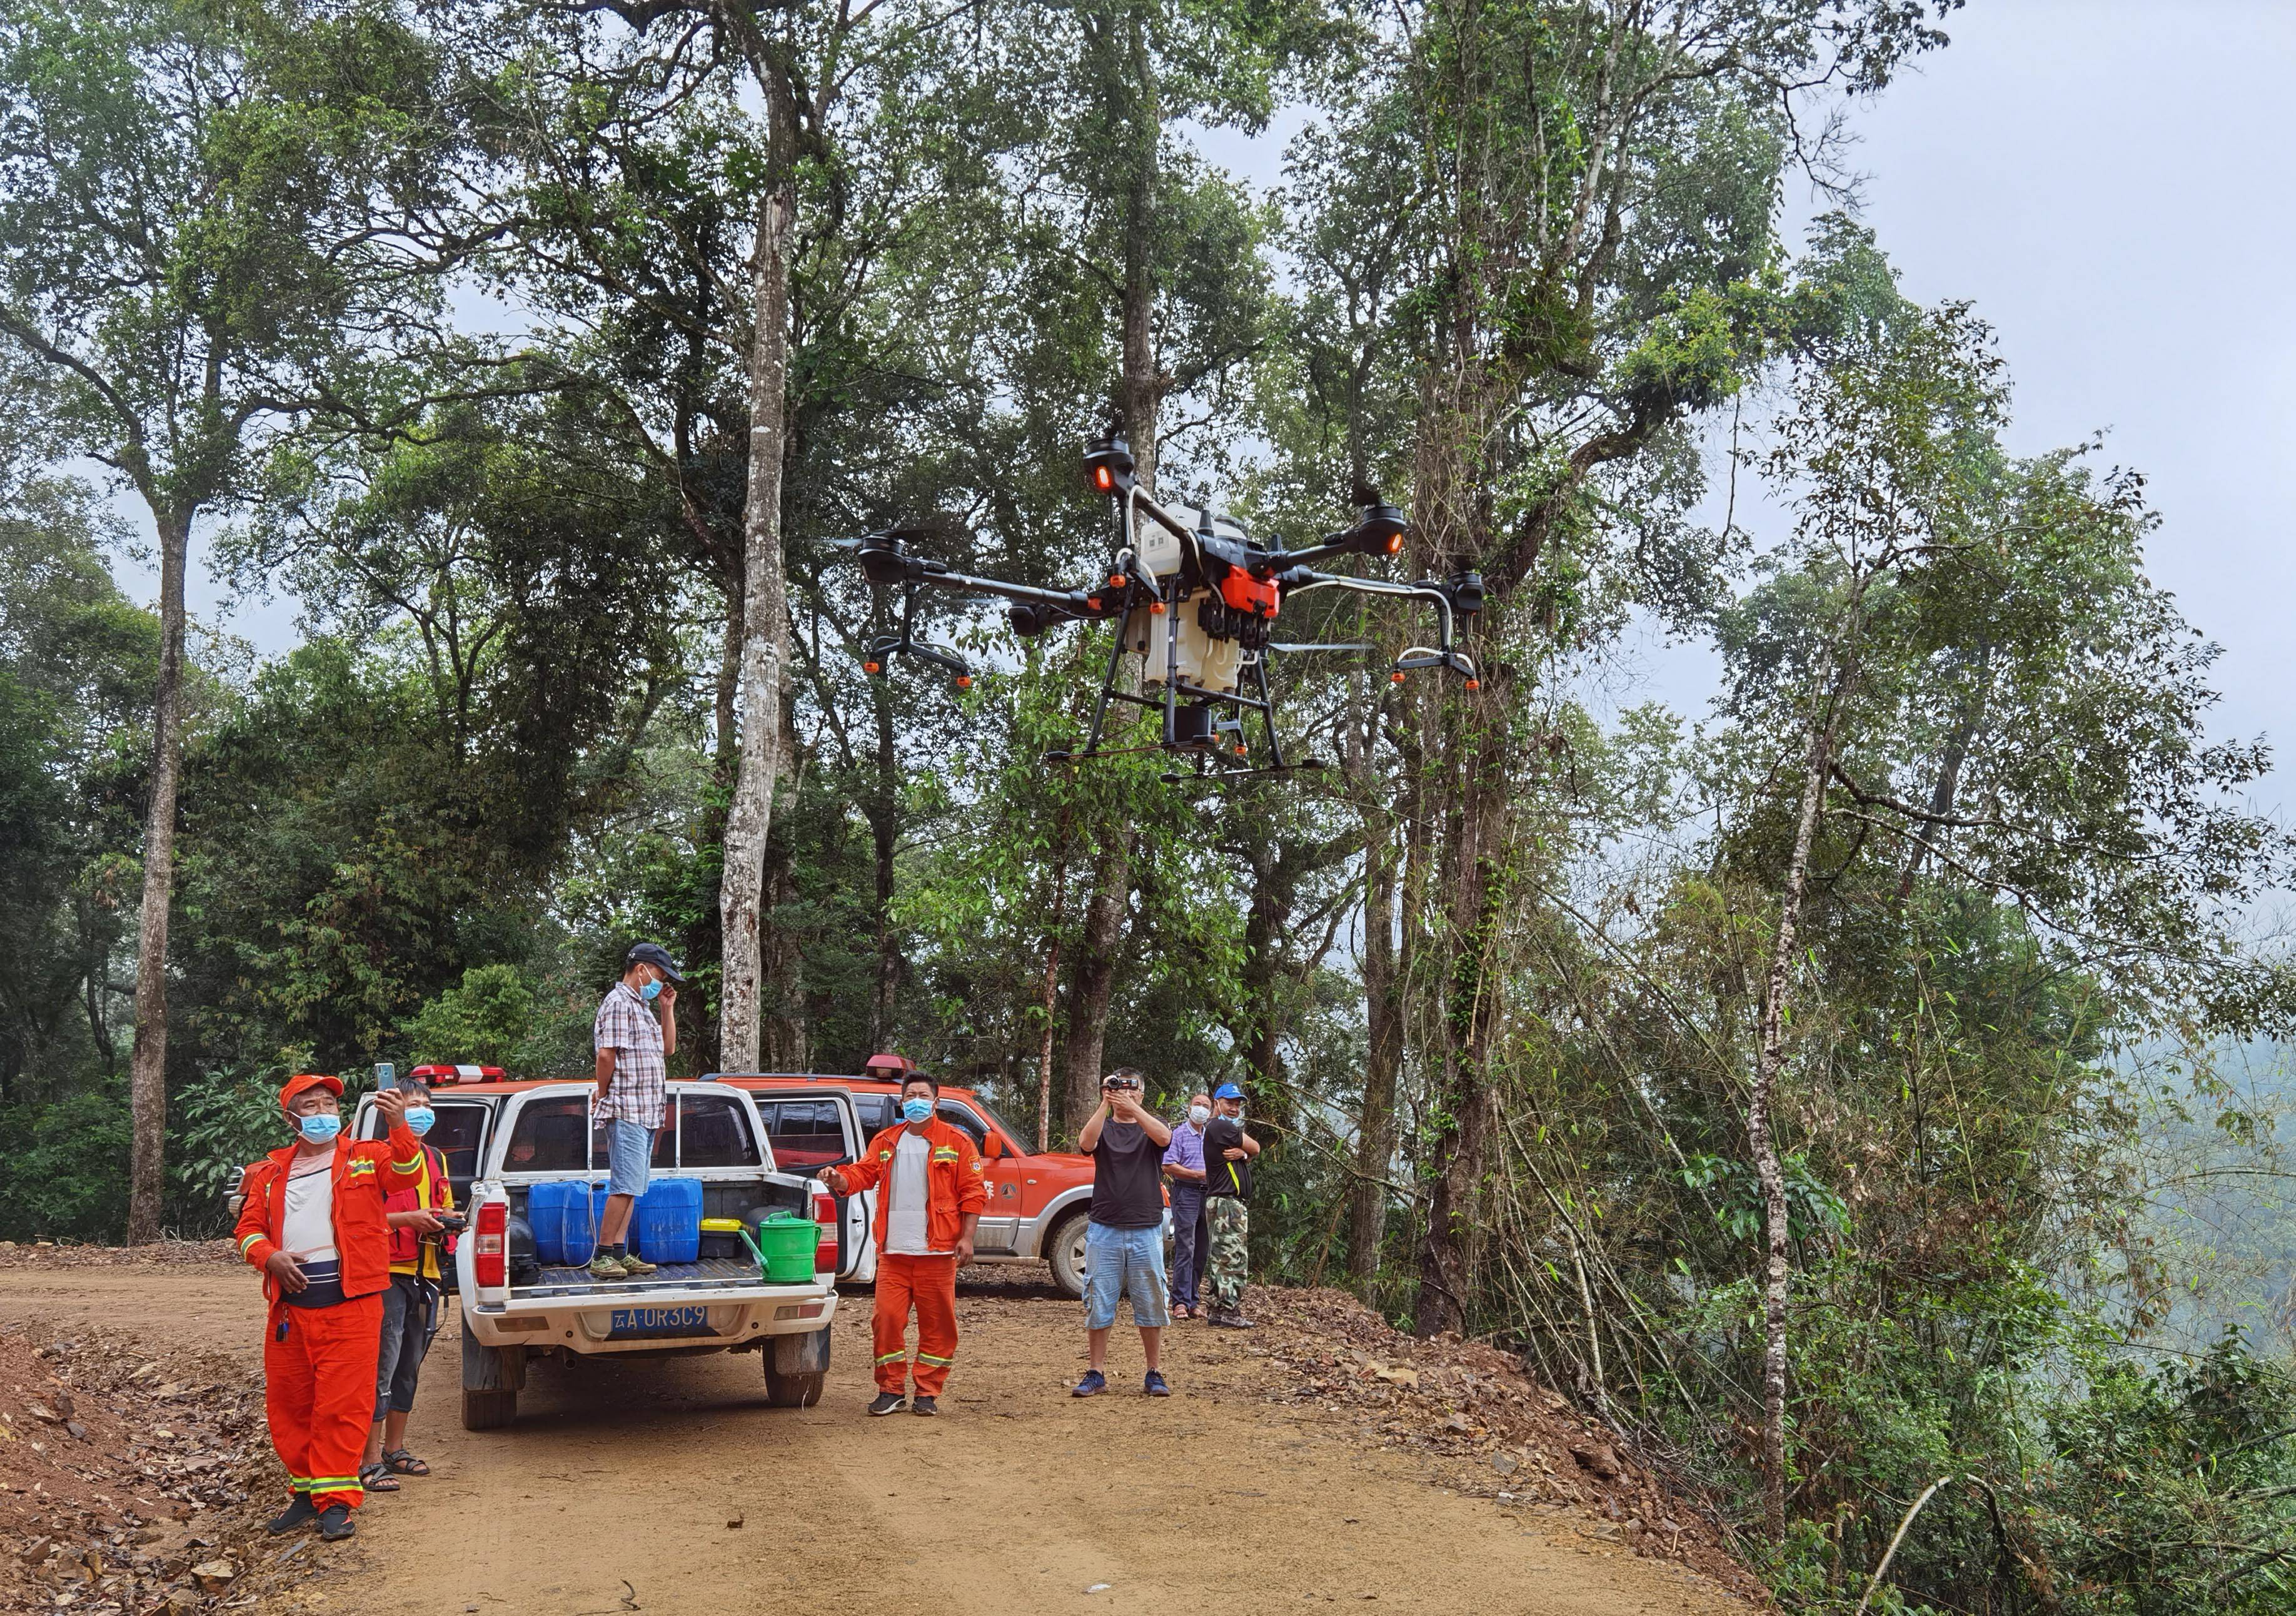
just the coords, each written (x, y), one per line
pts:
(953, 1191)
(319, 1363)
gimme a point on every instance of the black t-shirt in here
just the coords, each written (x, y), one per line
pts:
(1127, 1173)
(1221, 1176)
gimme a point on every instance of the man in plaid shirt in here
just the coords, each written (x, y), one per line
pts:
(636, 1034)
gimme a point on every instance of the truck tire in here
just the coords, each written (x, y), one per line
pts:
(797, 1368)
(491, 1377)
(1064, 1252)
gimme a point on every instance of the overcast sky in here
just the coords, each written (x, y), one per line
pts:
(2107, 181)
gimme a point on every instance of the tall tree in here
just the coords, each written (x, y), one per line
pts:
(212, 216)
(1602, 183)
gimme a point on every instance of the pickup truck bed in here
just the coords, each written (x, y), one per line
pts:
(515, 1310)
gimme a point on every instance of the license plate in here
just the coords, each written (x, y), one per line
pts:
(628, 1321)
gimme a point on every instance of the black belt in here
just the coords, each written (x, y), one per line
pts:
(322, 1286)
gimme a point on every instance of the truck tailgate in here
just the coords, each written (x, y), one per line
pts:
(709, 1273)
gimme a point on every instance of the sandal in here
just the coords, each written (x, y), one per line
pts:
(376, 1477)
(404, 1464)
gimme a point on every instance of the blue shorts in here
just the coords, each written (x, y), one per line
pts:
(1118, 1262)
(629, 1157)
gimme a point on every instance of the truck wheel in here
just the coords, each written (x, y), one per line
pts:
(797, 1368)
(488, 1410)
(1064, 1254)
(491, 1377)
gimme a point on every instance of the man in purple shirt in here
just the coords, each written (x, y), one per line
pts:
(1184, 1165)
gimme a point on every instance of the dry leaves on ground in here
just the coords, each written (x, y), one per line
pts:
(124, 1478)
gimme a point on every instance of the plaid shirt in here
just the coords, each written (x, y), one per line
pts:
(628, 1026)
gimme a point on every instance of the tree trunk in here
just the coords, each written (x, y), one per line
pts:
(1384, 1012)
(726, 756)
(1462, 1114)
(1051, 996)
(147, 1060)
(1094, 979)
(884, 828)
(1140, 389)
(764, 644)
(1759, 1136)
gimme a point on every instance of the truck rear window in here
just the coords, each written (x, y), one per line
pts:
(807, 1134)
(700, 1130)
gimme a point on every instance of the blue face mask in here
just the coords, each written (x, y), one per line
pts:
(419, 1119)
(322, 1129)
(650, 992)
(916, 1111)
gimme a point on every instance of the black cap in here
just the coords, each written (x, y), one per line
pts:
(652, 954)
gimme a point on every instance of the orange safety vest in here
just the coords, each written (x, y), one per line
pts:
(953, 1183)
(365, 1174)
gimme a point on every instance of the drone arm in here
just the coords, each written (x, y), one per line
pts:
(1300, 579)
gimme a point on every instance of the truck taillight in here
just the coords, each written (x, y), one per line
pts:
(825, 1216)
(491, 1253)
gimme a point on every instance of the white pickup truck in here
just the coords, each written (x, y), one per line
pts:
(516, 1310)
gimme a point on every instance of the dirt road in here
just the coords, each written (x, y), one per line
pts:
(669, 1487)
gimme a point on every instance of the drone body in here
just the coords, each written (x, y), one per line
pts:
(1196, 600)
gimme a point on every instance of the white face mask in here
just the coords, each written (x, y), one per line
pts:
(1200, 1114)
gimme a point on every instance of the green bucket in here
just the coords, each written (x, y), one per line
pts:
(785, 1243)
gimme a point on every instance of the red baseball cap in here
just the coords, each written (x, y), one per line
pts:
(309, 1079)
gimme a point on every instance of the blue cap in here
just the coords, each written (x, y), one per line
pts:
(1227, 1091)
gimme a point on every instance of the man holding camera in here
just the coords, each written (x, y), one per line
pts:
(313, 1224)
(1124, 1242)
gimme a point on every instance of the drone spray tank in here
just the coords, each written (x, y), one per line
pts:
(1210, 652)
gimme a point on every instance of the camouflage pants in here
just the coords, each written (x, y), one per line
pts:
(1231, 1225)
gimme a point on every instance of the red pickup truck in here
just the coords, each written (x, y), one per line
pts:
(1038, 1203)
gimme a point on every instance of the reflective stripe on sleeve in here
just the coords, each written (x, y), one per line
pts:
(248, 1242)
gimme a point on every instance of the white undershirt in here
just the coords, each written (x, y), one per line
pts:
(905, 1214)
(308, 1232)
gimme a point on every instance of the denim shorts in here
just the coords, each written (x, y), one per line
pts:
(1118, 1262)
(629, 1157)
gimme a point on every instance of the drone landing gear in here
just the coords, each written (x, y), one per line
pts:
(906, 644)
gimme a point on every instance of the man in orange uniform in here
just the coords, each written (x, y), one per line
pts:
(926, 1212)
(313, 1224)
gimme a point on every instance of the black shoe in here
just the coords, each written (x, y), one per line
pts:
(888, 1402)
(300, 1512)
(1092, 1384)
(1154, 1385)
(335, 1523)
(923, 1405)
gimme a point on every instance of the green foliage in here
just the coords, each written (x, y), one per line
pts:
(223, 1123)
(47, 1189)
(484, 1020)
